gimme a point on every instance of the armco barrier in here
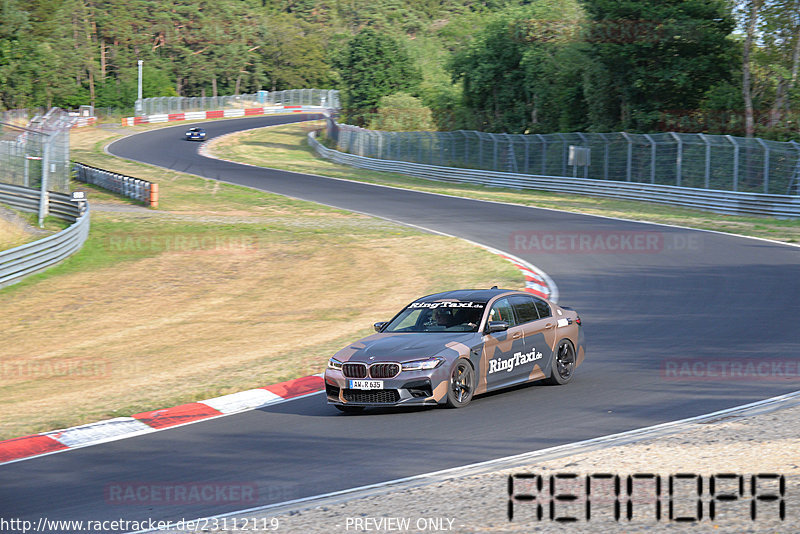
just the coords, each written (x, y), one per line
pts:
(220, 113)
(27, 259)
(127, 186)
(738, 203)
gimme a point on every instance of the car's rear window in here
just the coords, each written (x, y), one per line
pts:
(450, 316)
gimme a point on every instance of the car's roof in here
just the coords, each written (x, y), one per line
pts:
(195, 128)
(475, 295)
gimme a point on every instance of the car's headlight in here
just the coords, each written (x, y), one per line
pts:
(423, 365)
(333, 363)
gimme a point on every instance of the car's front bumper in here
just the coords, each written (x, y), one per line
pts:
(407, 388)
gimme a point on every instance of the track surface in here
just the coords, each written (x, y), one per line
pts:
(719, 297)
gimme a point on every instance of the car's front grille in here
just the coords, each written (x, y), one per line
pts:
(384, 370)
(354, 370)
(383, 396)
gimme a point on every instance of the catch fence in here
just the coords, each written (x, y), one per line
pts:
(293, 97)
(700, 161)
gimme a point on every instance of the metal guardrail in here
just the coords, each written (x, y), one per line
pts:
(693, 160)
(19, 262)
(127, 186)
(738, 203)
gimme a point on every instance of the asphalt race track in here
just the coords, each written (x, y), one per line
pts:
(689, 296)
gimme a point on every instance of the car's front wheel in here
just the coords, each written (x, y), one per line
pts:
(462, 385)
(563, 367)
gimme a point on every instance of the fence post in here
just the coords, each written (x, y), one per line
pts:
(495, 151)
(564, 154)
(708, 159)
(480, 150)
(652, 158)
(766, 163)
(606, 154)
(544, 154)
(585, 142)
(629, 166)
(735, 161)
(527, 152)
(43, 196)
(679, 160)
(796, 175)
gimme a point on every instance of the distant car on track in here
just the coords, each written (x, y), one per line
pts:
(195, 134)
(447, 347)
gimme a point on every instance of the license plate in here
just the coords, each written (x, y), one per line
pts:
(366, 384)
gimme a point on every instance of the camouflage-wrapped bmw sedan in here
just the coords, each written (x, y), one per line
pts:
(446, 348)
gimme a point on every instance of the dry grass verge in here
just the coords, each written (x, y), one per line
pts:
(206, 297)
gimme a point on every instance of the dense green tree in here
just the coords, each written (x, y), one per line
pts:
(402, 112)
(374, 65)
(493, 80)
(17, 56)
(524, 71)
(649, 57)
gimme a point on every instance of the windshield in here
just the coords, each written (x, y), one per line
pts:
(452, 316)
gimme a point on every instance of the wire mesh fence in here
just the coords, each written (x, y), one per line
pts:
(37, 152)
(292, 97)
(720, 162)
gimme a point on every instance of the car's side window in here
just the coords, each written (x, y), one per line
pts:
(543, 307)
(525, 307)
(501, 311)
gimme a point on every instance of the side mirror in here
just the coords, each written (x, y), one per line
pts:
(379, 326)
(497, 326)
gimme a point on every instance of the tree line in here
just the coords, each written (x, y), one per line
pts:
(517, 66)
(604, 65)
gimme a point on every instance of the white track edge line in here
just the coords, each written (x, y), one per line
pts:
(610, 440)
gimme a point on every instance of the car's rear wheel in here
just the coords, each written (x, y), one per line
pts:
(563, 366)
(349, 409)
(462, 385)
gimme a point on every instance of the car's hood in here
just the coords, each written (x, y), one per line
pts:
(404, 347)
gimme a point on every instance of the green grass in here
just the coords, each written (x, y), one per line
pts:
(286, 147)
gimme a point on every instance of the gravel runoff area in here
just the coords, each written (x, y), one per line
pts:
(761, 440)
